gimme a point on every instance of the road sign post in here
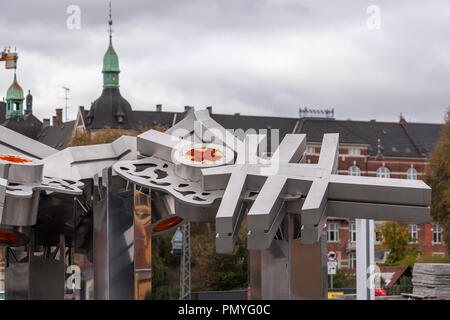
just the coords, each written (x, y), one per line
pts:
(332, 264)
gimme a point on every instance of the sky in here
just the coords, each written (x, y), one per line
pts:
(366, 59)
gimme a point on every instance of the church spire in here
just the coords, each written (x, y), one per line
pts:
(110, 60)
(14, 99)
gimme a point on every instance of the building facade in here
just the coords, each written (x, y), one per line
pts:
(400, 159)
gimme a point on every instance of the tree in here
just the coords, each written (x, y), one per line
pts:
(396, 238)
(438, 178)
(107, 135)
(219, 271)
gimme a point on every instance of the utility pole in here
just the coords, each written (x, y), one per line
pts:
(66, 98)
(185, 272)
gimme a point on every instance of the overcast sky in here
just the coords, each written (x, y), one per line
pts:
(256, 57)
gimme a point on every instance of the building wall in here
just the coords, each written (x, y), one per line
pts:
(368, 165)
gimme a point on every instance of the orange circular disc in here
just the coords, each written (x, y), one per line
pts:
(167, 224)
(14, 159)
(8, 237)
(204, 155)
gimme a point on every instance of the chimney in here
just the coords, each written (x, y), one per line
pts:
(159, 107)
(45, 123)
(81, 108)
(59, 116)
(209, 110)
(187, 108)
(54, 121)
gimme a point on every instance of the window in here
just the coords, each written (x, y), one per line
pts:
(437, 234)
(352, 260)
(333, 232)
(310, 150)
(354, 152)
(352, 232)
(411, 174)
(354, 171)
(413, 236)
(383, 172)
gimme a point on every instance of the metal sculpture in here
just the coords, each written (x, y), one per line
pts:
(213, 174)
(21, 182)
(195, 171)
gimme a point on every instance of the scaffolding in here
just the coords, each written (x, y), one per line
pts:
(185, 266)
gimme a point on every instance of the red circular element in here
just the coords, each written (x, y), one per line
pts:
(204, 155)
(8, 237)
(15, 159)
(167, 224)
(380, 292)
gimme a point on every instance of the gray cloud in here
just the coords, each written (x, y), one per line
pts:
(255, 57)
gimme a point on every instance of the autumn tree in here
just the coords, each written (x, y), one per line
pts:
(397, 239)
(107, 135)
(438, 178)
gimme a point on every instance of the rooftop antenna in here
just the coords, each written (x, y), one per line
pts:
(66, 98)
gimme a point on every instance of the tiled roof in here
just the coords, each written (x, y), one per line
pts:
(107, 109)
(27, 125)
(57, 137)
(394, 140)
(2, 111)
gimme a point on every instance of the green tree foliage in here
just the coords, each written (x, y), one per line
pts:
(404, 285)
(165, 268)
(396, 238)
(438, 178)
(220, 271)
(342, 280)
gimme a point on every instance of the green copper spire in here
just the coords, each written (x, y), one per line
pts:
(110, 61)
(14, 99)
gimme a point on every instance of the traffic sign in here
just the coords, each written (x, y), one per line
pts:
(332, 265)
(331, 255)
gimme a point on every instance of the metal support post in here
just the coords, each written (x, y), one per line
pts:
(365, 259)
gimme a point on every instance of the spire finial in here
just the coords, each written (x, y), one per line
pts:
(110, 21)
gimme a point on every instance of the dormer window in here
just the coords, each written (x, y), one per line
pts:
(383, 172)
(411, 174)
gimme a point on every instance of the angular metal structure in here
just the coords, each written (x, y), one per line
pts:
(215, 176)
(276, 186)
(107, 200)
